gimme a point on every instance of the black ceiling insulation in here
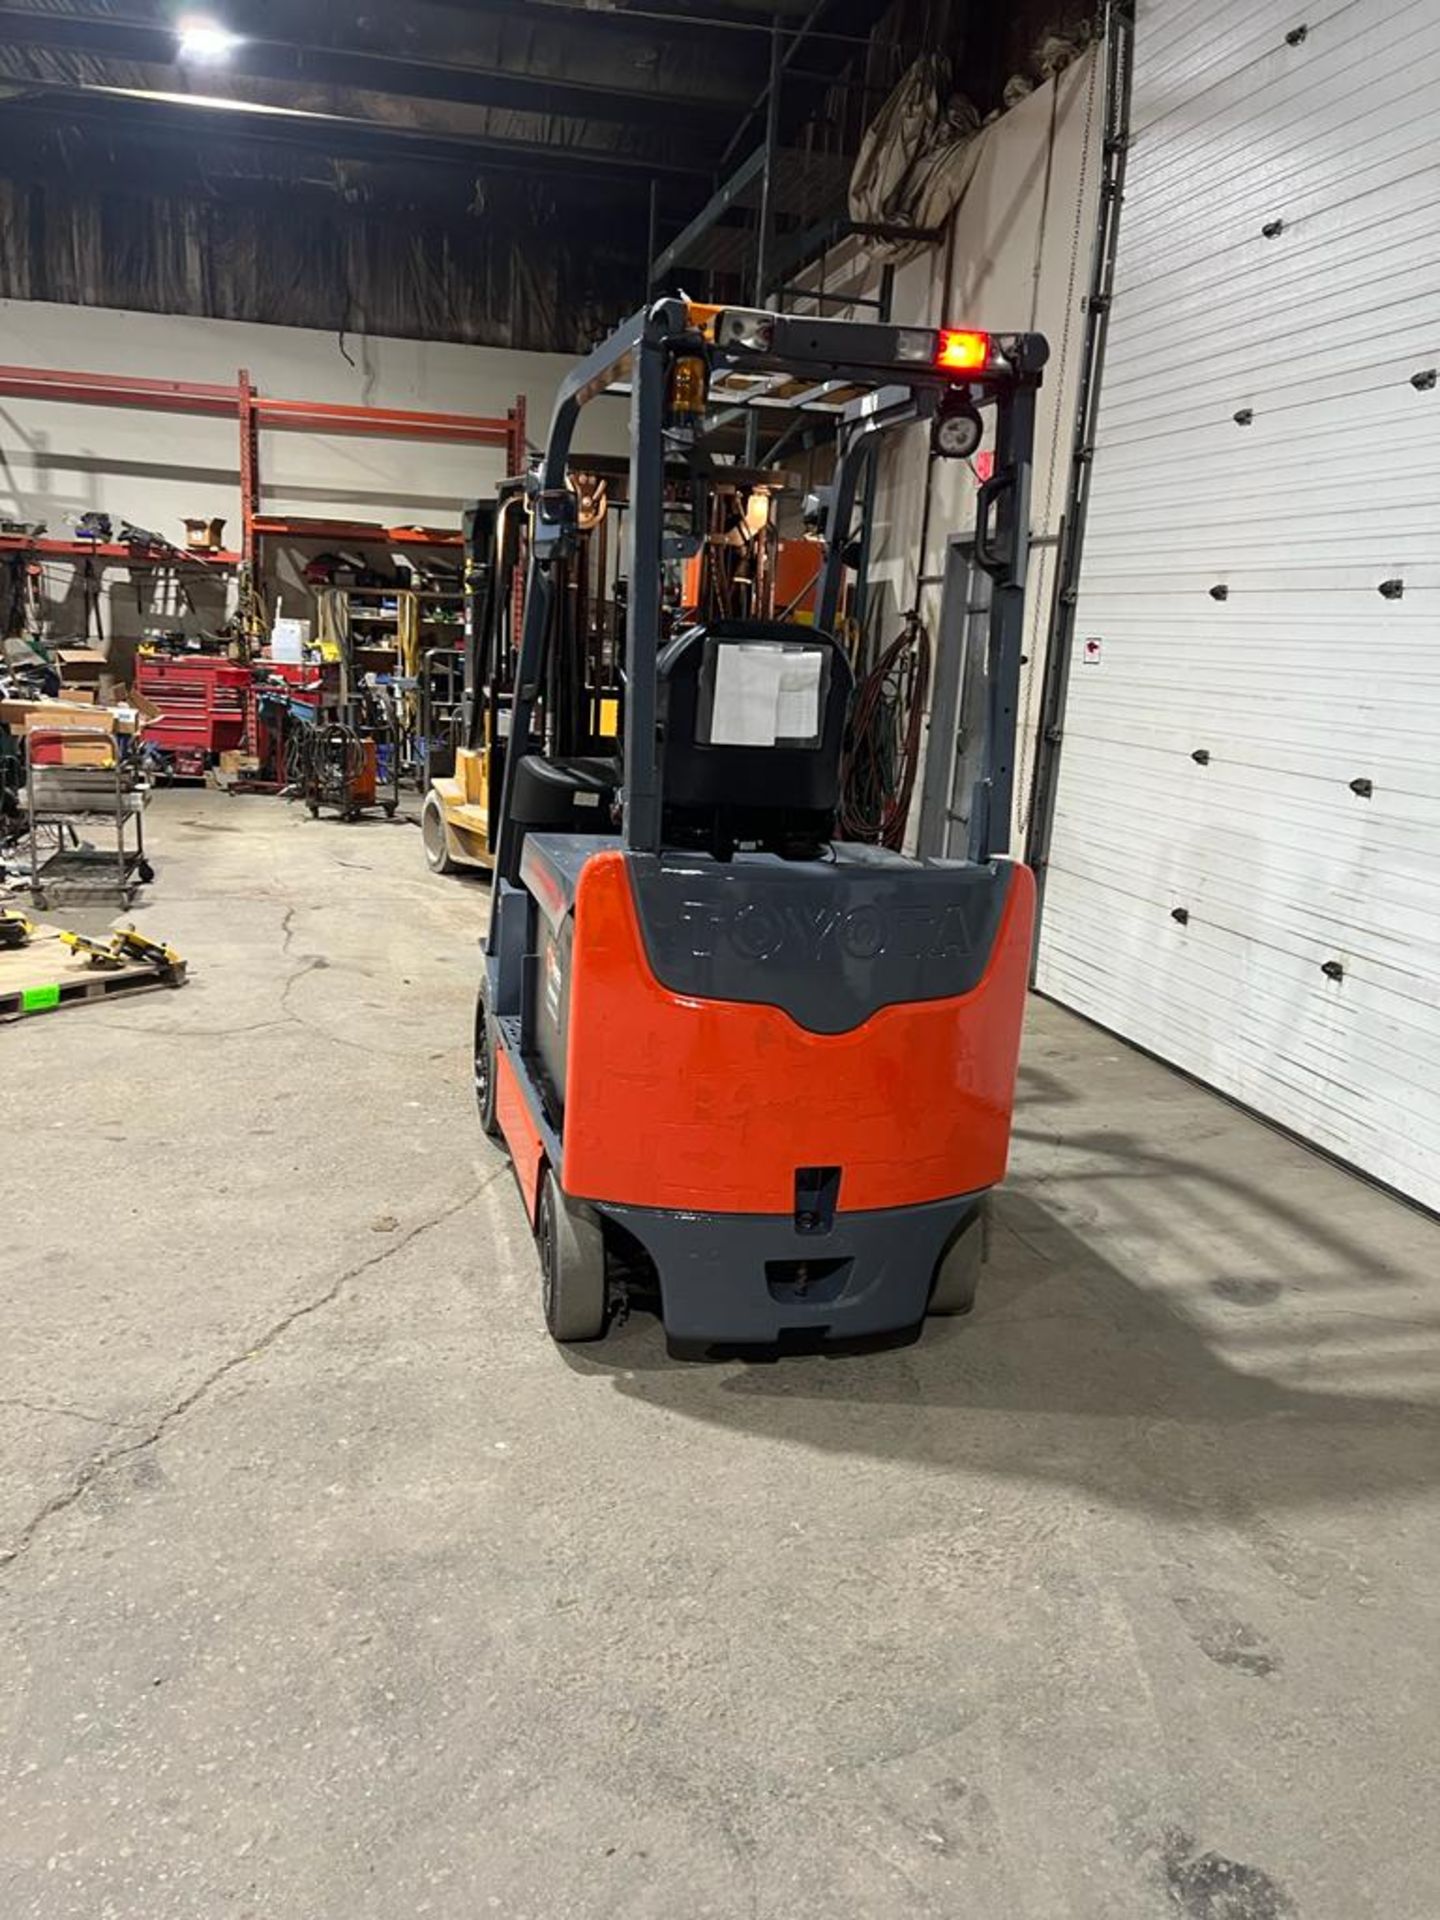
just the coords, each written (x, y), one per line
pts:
(478, 172)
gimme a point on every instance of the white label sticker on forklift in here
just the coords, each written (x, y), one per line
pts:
(765, 693)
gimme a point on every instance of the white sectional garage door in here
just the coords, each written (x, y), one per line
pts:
(1245, 871)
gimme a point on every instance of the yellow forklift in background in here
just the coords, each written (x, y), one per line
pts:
(579, 703)
(465, 778)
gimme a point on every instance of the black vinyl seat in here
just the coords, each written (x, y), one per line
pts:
(723, 783)
(574, 794)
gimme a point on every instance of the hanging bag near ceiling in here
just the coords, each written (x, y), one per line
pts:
(918, 156)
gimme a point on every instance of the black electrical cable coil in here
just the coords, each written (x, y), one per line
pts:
(882, 749)
(332, 760)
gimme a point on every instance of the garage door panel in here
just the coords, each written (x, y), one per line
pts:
(1274, 278)
(1208, 47)
(1299, 369)
(1405, 783)
(1282, 428)
(1342, 230)
(1398, 153)
(1311, 894)
(1288, 310)
(1306, 588)
(1251, 463)
(1274, 339)
(1377, 539)
(1350, 377)
(1294, 96)
(1303, 976)
(1308, 820)
(1251, 1020)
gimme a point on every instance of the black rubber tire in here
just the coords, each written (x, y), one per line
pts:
(485, 1047)
(434, 838)
(572, 1266)
(957, 1275)
(390, 806)
(145, 871)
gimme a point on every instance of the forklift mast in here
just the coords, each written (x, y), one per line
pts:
(478, 525)
(885, 377)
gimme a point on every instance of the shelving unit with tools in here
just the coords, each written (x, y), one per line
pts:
(255, 413)
(381, 615)
(404, 600)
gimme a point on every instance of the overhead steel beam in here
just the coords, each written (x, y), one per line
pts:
(715, 28)
(732, 20)
(98, 36)
(165, 151)
(731, 194)
(768, 94)
(339, 136)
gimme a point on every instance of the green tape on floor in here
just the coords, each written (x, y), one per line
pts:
(36, 999)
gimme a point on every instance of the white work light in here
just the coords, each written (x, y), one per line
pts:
(203, 40)
(957, 430)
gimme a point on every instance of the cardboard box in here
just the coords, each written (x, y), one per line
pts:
(26, 715)
(61, 713)
(80, 666)
(65, 750)
(86, 753)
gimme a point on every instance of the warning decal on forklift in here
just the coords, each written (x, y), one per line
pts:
(552, 981)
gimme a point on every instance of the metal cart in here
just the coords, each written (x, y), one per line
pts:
(65, 867)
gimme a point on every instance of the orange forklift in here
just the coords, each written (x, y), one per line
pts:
(738, 1063)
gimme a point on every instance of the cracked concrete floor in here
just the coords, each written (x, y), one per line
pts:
(332, 1591)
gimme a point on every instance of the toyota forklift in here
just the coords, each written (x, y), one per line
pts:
(769, 1073)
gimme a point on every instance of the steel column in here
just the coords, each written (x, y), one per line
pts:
(249, 475)
(1003, 550)
(645, 528)
(1060, 641)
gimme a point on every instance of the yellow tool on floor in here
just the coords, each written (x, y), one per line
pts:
(15, 929)
(136, 946)
(125, 948)
(91, 950)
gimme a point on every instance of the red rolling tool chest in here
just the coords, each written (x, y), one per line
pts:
(201, 701)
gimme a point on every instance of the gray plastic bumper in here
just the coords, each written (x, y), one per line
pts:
(742, 1277)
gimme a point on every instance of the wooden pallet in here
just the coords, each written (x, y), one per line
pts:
(45, 975)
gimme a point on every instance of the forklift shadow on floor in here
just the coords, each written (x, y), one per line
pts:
(1073, 1373)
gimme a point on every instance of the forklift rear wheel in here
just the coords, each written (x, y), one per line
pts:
(957, 1276)
(572, 1265)
(485, 1068)
(434, 837)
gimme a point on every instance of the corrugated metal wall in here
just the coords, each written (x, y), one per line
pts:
(1246, 865)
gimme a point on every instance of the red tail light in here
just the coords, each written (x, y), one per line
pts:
(964, 352)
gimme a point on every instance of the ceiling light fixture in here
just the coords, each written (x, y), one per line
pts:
(203, 40)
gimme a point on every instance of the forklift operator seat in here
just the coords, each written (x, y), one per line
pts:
(575, 794)
(752, 717)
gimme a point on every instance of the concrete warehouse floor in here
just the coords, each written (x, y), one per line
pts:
(333, 1591)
